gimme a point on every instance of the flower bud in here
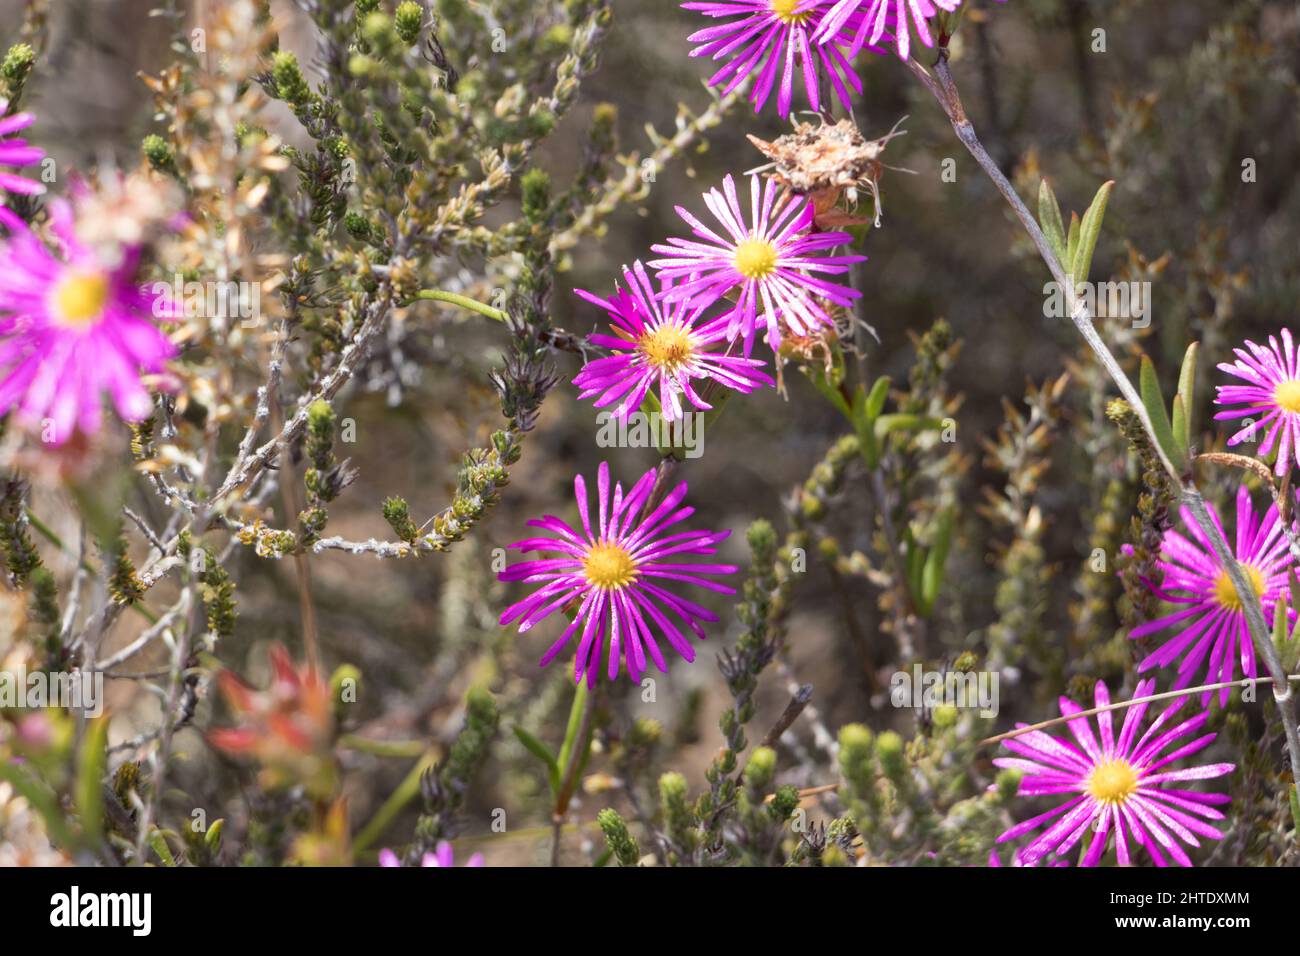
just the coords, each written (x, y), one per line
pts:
(889, 749)
(761, 769)
(617, 837)
(408, 20)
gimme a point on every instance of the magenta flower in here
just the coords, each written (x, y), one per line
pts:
(1018, 859)
(877, 19)
(613, 574)
(773, 261)
(1117, 788)
(17, 152)
(71, 329)
(1211, 620)
(1272, 398)
(654, 346)
(444, 857)
(768, 37)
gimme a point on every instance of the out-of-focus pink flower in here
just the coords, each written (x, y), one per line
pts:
(73, 328)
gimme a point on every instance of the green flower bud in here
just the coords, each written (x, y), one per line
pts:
(556, 40)
(945, 716)
(677, 813)
(645, 732)
(604, 119)
(1008, 784)
(889, 748)
(357, 225)
(536, 189)
(856, 745)
(761, 537)
(377, 28)
(159, 153)
(17, 64)
(344, 686)
(398, 515)
(784, 803)
(617, 837)
(541, 123)
(408, 20)
(761, 769)
(289, 81)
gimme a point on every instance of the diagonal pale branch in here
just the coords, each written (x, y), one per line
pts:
(1125, 704)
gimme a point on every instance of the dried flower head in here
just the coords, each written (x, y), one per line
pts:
(828, 162)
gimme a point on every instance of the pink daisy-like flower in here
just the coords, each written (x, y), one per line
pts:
(17, 152)
(1272, 398)
(72, 328)
(658, 346)
(1117, 788)
(773, 261)
(768, 37)
(1211, 620)
(443, 857)
(879, 19)
(613, 572)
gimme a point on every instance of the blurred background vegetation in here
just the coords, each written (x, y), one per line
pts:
(1182, 95)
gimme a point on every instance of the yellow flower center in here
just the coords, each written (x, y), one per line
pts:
(608, 566)
(1226, 594)
(1113, 781)
(1287, 395)
(667, 347)
(784, 10)
(79, 299)
(755, 258)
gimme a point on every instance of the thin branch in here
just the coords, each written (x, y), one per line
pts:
(1123, 704)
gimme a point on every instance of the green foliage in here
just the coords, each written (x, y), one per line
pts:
(617, 837)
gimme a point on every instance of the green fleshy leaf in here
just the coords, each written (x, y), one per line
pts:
(1049, 218)
(213, 837)
(1149, 388)
(1179, 425)
(932, 573)
(1187, 389)
(159, 844)
(540, 751)
(876, 400)
(91, 763)
(1090, 232)
(1071, 246)
(901, 422)
(866, 409)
